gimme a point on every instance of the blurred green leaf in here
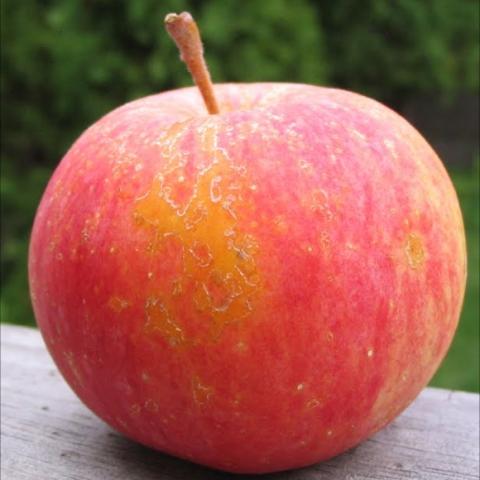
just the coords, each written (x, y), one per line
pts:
(65, 63)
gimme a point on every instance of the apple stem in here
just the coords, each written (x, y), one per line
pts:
(184, 31)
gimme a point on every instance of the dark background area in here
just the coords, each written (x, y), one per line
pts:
(64, 63)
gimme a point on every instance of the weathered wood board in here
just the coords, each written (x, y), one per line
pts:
(47, 434)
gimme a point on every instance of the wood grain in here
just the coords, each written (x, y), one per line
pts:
(47, 434)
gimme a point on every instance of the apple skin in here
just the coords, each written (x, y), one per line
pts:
(254, 291)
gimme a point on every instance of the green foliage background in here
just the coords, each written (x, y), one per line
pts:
(67, 62)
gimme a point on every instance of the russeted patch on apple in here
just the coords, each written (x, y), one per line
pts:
(256, 288)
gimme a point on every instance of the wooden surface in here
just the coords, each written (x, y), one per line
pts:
(47, 434)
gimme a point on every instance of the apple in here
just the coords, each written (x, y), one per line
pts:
(255, 289)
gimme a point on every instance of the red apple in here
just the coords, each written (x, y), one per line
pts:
(255, 290)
